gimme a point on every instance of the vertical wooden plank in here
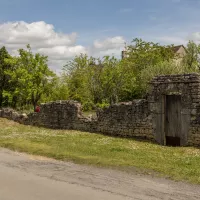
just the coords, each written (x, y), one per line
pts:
(177, 119)
(159, 120)
(158, 136)
(163, 141)
(178, 132)
(173, 116)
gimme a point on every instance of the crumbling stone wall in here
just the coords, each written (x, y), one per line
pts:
(126, 119)
(130, 119)
(139, 118)
(57, 115)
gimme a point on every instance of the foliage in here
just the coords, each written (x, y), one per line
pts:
(58, 90)
(163, 68)
(109, 80)
(102, 105)
(87, 106)
(4, 78)
(192, 58)
(31, 76)
(94, 79)
(140, 56)
(27, 80)
(76, 74)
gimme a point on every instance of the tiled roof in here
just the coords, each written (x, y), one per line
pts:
(176, 48)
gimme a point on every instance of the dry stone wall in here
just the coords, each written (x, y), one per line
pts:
(139, 118)
(130, 119)
(126, 119)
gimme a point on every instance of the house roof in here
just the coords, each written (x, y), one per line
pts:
(176, 48)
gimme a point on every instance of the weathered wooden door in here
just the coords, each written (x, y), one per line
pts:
(173, 120)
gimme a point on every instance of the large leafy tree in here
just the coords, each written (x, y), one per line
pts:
(143, 53)
(192, 57)
(140, 56)
(4, 77)
(109, 80)
(94, 81)
(76, 73)
(58, 90)
(32, 77)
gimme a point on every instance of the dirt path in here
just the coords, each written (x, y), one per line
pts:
(36, 178)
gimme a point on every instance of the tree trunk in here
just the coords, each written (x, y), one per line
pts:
(14, 102)
(34, 105)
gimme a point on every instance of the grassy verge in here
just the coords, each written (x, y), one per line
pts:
(81, 147)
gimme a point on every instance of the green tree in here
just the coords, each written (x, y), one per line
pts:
(58, 90)
(76, 73)
(163, 68)
(141, 55)
(31, 76)
(111, 79)
(94, 81)
(192, 58)
(4, 77)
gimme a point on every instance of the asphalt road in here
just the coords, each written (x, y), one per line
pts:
(25, 177)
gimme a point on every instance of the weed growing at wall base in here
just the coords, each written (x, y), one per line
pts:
(180, 163)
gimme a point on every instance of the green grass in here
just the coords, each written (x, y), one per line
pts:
(182, 163)
(89, 113)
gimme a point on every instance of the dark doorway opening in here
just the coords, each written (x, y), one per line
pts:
(173, 141)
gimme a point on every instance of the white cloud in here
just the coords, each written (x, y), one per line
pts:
(109, 46)
(42, 37)
(39, 33)
(59, 55)
(62, 52)
(195, 37)
(109, 43)
(59, 47)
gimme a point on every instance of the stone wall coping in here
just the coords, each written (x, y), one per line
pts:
(172, 81)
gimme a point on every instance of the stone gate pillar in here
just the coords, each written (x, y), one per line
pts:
(187, 86)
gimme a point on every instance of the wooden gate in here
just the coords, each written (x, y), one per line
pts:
(173, 120)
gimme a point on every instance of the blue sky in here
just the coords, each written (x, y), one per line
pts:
(164, 21)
